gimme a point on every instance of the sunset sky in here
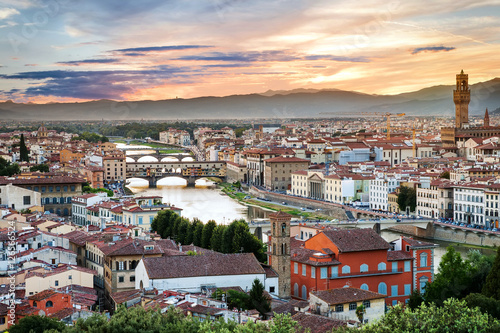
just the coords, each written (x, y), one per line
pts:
(77, 50)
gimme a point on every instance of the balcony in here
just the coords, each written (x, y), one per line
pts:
(367, 273)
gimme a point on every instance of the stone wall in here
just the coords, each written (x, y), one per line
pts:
(330, 209)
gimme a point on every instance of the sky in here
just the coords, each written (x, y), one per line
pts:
(80, 50)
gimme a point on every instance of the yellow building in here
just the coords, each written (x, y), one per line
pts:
(62, 276)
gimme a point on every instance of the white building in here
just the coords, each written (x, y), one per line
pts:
(469, 201)
(379, 190)
(17, 197)
(79, 206)
(195, 273)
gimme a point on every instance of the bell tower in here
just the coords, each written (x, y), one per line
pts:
(280, 251)
(461, 97)
(486, 122)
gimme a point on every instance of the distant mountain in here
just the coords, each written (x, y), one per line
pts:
(298, 103)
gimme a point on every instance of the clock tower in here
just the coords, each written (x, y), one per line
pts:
(461, 98)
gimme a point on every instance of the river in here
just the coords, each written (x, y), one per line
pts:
(204, 201)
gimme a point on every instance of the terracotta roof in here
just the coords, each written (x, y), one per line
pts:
(416, 243)
(280, 214)
(399, 255)
(354, 240)
(64, 313)
(123, 296)
(43, 295)
(317, 324)
(345, 295)
(202, 265)
(303, 255)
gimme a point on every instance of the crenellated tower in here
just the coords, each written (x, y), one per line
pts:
(461, 97)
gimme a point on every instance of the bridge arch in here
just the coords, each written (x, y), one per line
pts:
(147, 158)
(172, 181)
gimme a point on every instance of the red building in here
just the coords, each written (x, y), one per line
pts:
(50, 301)
(362, 259)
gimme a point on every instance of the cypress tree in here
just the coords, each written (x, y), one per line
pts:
(492, 286)
(23, 150)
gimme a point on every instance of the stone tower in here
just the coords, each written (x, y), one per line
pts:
(280, 251)
(461, 97)
(486, 122)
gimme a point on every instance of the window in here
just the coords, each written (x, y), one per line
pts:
(121, 278)
(34, 304)
(423, 259)
(304, 292)
(132, 278)
(49, 304)
(366, 304)
(364, 286)
(313, 272)
(382, 266)
(51, 189)
(407, 289)
(394, 290)
(56, 283)
(26, 200)
(394, 266)
(271, 289)
(323, 272)
(296, 290)
(70, 277)
(394, 302)
(304, 270)
(339, 308)
(140, 219)
(295, 268)
(423, 282)
(382, 288)
(363, 268)
(352, 306)
(407, 266)
(335, 271)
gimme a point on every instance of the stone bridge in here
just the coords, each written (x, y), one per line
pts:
(153, 171)
(450, 233)
(158, 156)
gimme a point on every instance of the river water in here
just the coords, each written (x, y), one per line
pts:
(204, 201)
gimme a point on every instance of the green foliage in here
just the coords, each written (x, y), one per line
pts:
(452, 280)
(480, 265)
(7, 168)
(233, 238)
(91, 137)
(36, 324)
(283, 323)
(445, 175)
(415, 299)
(453, 316)
(407, 197)
(485, 304)
(23, 150)
(206, 235)
(258, 300)
(360, 313)
(237, 299)
(40, 168)
(491, 287)
(88, 189)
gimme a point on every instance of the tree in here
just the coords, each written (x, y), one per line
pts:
(407, 197)
(445, 175)
(7, 168)
(492, 285)
(206, 235)
(480, 266)
(258, 300)
(283, 323)
(40, 168)
(360, 313)
(486, 304)
(216, 239)
(36, 324)
(23, 150)
(415, 299)
(452, 279)
(198, 233)
(453, 316)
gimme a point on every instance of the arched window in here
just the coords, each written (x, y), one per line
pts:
(382, 288)
(423, 259)
(47, 201)
(49, 304)
(304, 292)
(296, 290)
(283, 229)
(34, 304)
(423, 282)
(364, 286)
(346, 269)
(382, 266)
(363, 268)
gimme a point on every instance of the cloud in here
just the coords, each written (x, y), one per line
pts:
(88, 61)
(7, 12)
(252, 56)
(432, 49)
(337, 58)
(97, 84)
(138, 51)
